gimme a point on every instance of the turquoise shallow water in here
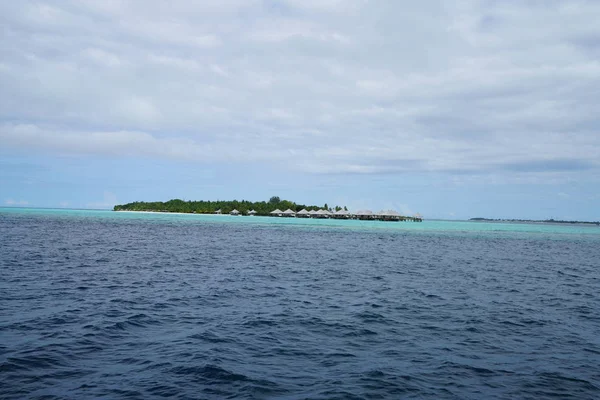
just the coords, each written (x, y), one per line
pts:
(432, 227)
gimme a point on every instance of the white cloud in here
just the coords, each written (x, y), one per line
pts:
(219, 70)
(102, 57)
(496, 90)
(138, 110)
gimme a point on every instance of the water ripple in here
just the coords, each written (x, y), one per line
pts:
(150, 307)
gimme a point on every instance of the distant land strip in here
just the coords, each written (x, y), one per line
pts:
(273, 207)
(224, 207)
(548, 221)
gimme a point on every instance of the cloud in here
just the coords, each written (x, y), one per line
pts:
(496, 90)
(563, 195)
(128, 144)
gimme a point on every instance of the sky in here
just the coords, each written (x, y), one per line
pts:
(452, 109)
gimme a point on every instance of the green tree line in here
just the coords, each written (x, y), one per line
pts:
(210, 207)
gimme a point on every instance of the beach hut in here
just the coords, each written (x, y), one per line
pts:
(218, 211)
(276, 213)
(251, 213)
(234, 212)
(303, 213)
(289, 213)
(313, 213)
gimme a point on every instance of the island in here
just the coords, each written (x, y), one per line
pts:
(545, 221)
(275, 207)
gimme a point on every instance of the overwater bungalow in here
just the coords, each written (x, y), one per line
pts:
(234, 212)
(289, 213)
(388, 215)
(364, 215)
(341, 214)
(252, 213)
(303, 213)
(323, 214)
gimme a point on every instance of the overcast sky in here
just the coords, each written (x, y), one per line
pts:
(453, 109)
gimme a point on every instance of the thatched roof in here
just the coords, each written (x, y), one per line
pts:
(364, 212)
(234, 211)
(388, 213)
(251, 212)
(277, 211)
(324, 212)
(289, 212)
(313, 212)
(218, 211)
(303, 212)
(341, 212)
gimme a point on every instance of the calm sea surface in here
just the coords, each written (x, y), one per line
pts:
(98, 304)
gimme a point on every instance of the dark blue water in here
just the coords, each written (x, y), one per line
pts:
(105, 308)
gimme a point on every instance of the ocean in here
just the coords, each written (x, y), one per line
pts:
(120, 305)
